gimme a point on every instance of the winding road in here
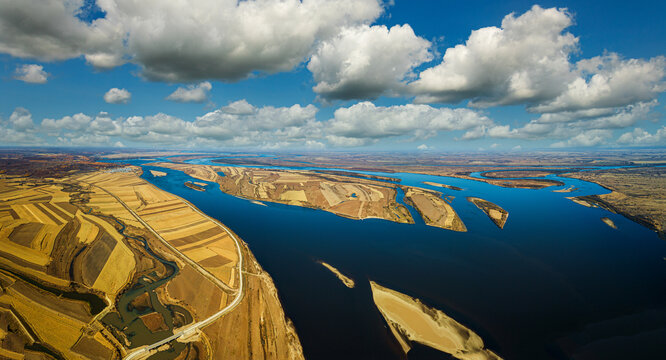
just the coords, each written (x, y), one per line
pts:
(191, 329)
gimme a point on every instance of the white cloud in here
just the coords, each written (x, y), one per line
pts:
(117, 96)
(365, 120)
(608, 82)
(192, 93)
(568, 124)
(526, 60)
(586, 139)
(49, 30)
(31, 73)
(365, 61)
(175, 41)
(18, 129)
(343, 141)
(21, 120)
(74, 122)
(641, 137)
(423, 147)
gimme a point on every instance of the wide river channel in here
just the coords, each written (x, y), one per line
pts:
(555, 283)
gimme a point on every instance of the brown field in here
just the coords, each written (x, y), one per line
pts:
(258, 327)
(434, 210)
(494, 212)
(637, 193)
(355, 198)
(154, 322)
(410, 320)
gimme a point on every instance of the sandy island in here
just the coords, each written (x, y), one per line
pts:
(156, 173)
(410, 320)
(494, 212)
(609, 222)
(450, 187)
(569, 189)
(345, 280)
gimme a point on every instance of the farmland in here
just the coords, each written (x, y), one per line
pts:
(354, 198)
(96, 263)
(434, 210)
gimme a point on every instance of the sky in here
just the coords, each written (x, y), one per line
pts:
(400, 75)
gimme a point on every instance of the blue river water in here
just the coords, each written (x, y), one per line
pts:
(555, 283)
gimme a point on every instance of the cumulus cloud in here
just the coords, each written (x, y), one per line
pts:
(174, 41)
(191, 93)
(525, 60)
(21, 120)
(31, 73)
(18, 129)
(609, 81)
(50, 30)
(579, 128)
(237, 124)
(366, 122)
(117, 96)
(586, 139)
(365, 61)
(641, 137)
(75, 122)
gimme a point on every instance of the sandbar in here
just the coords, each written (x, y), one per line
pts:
(345, 280)
(411, 320)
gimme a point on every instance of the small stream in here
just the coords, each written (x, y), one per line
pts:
(127, 319)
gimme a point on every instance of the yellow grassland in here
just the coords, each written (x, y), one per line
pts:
(117, 271)
(8, 354)
(87, 231)
(58, 330)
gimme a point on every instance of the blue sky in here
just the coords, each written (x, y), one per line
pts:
(336, 74)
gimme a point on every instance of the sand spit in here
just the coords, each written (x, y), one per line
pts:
(434, 210)
(580, 201)
(494, 212)
(410, 320)
(609, 222)
(156, 173)
(569, 189)
(345, 280)
(450, 187)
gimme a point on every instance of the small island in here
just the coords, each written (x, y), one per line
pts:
(345, 280)
(609, 222)
(434, 210)
(494, 212)
(156, 173)
(411, 320)
(450, 187)
(194, 186)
